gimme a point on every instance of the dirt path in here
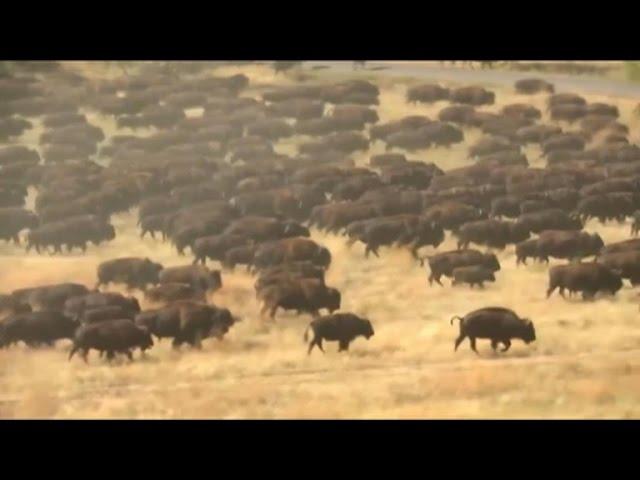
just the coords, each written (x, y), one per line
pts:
(503, 78)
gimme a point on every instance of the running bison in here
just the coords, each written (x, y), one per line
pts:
(500, 325)
(338, 327)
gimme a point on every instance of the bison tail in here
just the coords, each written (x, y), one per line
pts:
(454, 317)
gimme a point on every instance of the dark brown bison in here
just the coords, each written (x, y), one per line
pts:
(569, 112)
(134, 272)
(472, 96)
(74, 232)
(109, 312)
(608, 206)
(567, 244)
(303, 295)
(262, 229)
(588, 278)
(338, 327)
(500, 325)
(566, 98)
(627, 264)
(214, 247)
(530, 86)
(492, 233)
(536, 133)
(444, 263)
(49, 297)
(242, 255)
(473, 275)
(111, 337)
(199, 277)
(427, 93)
(291, 250)
(624, 246)
(14, 220)
(451, 215)
(187, 322)
(76, 306)
(550, 219)
(36, 328)
(174, 292)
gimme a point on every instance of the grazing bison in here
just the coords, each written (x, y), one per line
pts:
(588, 278)
(498, 324)
(112, 336)
(36, 328)
(338, 327)
(444, 263)
(473, 275)
(134, 272)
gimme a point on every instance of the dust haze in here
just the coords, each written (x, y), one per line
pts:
(585, 362)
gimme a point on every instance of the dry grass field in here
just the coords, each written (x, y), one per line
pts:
(584, 364)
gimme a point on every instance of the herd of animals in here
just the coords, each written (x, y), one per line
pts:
(215, 187)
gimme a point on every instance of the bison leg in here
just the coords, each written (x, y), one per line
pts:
(16, 239)
(153, 234)
(561, 292)
(314, 342)
(129, 355)
(459, 340)
(494, 344)
(85, 355)
(319, 343)
(473, 344)
(550, 290)
(176, 343)
(507, 345)
(272, 312)
(343, 346)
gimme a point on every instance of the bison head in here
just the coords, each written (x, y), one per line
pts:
(292, 229)
(214, 280)
(367, 329)
(596, 243)
(333, 299)
(146, 341)
(323, 257)
(529, 332)
(519, 233)
(491, 262)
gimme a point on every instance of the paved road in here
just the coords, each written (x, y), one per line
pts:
(586, 84)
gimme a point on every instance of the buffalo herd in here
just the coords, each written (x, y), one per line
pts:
(215, 187)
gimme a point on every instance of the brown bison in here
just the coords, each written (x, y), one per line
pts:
(303, 295)
(36, 328)
(473, 275)
(199, 277)
(187, 322)
(444, 263)
(500, 325)
(134, 272)
(492, 233)
(588, 278)
(112, 336)
(291, 250)
(530, 86)
(338, 327)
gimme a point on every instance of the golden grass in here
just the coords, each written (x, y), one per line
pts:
(586, 362)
